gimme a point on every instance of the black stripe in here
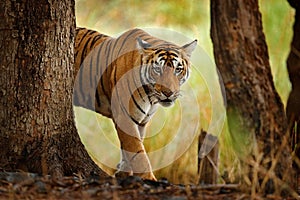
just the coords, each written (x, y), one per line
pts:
(140, 151)
(134, 100)
(102, 85)
(95, 39)
(147, 71)
(90, 37)
(99, 66)
(98, 98)
(82, 68)
(91, 71)
(124, 109)
(80, 81)
(82, 37)
(136, 122)
(79, 29)
(144, 84)
(85, 49)
(79, 49)
(113, 48)
(172, 54)
(128, 115)
(114, 60)
(162, 55)
(98, 59)
(105, 68)
(138, 89)
(159, 51)
(134, 77)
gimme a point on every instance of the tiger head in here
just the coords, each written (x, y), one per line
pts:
(166, 68)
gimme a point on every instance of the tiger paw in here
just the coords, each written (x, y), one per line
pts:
(122, 174)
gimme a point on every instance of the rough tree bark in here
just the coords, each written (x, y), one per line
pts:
(256, 117)
(37, 131)
(293, 103)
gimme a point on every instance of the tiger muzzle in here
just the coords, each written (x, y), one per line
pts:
(166, 97)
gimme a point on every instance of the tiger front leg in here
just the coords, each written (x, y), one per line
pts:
(134, 158)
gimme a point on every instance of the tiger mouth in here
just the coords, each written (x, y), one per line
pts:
(166, 102)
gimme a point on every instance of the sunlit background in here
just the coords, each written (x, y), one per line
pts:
(192, 19)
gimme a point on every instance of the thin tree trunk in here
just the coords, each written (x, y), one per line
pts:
(256, 115)
(37, 131)
(208, 165)
(293, 104)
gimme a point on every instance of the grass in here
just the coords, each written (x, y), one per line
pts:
(191, 19)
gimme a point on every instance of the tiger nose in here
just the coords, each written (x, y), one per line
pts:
(167, 93)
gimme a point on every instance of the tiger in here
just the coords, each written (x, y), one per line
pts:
(126, 78)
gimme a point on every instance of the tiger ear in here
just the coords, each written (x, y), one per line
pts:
(143, 46)
(189, 48)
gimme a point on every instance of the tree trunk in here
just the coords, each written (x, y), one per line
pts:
(293, 104)
(208, 165)
(256, 117)
(36, 80)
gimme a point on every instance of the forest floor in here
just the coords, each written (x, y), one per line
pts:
(20, 185)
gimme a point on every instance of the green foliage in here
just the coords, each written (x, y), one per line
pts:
(192, 19)
(277, 17)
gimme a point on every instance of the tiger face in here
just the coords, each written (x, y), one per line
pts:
(167, 68)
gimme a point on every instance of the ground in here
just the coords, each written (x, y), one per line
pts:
(21, 185)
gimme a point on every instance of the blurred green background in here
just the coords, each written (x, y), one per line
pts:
(190, 18)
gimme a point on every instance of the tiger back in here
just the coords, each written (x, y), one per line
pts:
(126, 79)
